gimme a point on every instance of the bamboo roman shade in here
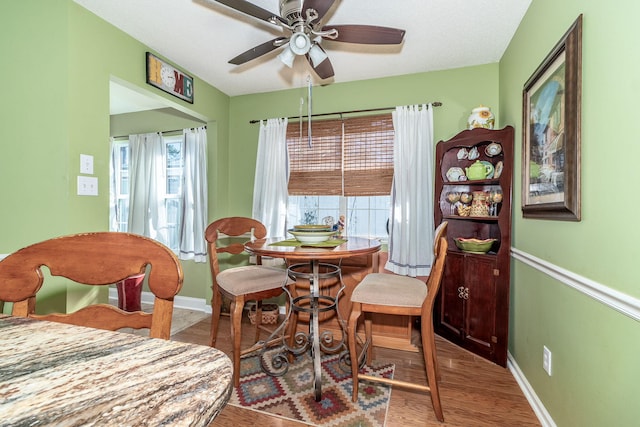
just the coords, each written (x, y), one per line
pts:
(350, 157)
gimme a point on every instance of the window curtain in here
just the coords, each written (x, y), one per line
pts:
(272, 174)
(147, 215)
(411, 231)
(113, 202)
(194, 196)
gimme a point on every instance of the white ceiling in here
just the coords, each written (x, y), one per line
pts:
(200, 36)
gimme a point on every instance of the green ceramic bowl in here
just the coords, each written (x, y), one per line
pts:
(312, 227)
(476, 246)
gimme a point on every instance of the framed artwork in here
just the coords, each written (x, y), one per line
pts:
(551, 132)
(168, 78)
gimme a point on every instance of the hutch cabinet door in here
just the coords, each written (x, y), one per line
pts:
(452, 295)
(480, 305)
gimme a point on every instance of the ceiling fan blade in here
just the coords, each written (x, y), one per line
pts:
(252, 10)
(259, 50)
(366, 34)
(324, 70)
(320, 6)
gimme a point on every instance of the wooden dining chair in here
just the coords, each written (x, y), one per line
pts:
(95, 259)
(400, 295)
(239, 284)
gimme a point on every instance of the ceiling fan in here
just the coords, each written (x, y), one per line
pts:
(303, 18)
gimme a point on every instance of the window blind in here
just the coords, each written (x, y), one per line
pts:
(350, 157)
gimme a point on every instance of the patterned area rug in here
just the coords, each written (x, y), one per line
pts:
(291, 395)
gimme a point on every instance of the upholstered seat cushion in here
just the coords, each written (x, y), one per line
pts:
(390, 289)
(251, 278)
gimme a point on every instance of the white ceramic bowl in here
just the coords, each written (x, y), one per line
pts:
(312, 236)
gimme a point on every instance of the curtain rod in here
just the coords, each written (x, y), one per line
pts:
(164, 131)
(435, 104)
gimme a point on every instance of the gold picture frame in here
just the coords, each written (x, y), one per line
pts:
(551, 132)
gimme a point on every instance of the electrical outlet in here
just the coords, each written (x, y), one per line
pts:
(87, 185)
(546, 360)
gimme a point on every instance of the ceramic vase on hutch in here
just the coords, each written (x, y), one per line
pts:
(479, 205)
(481, 117)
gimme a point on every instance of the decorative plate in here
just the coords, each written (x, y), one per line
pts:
(498, 170)
(454, 174)
(493, 149)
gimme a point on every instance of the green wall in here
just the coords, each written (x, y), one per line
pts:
(59, 58)
(459, 90)
(35, 129)
(594, 346)
(58, 61)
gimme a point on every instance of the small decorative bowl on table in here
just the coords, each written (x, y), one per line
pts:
(312, 233)
(474, 246)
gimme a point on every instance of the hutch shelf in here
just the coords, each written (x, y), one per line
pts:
(472, 308)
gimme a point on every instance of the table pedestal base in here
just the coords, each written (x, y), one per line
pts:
(314, 304)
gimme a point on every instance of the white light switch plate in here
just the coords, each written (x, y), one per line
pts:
(87, 186)
(86, 164)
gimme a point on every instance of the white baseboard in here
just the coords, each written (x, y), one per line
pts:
(529, 393)
(188, 303)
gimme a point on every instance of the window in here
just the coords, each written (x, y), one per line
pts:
(159, 189)
(365, 216)
(170, 190)
(120, 186)
(173, 191)
(347, 170)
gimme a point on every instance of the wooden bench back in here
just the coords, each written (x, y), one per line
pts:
(97, 259)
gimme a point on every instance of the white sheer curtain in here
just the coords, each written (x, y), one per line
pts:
(114, 212)
(272, 174)
(194, 196)
(411, 227)
(147, 215)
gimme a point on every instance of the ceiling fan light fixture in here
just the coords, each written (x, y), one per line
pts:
(317, 55)
(287, 56)
(300, 43)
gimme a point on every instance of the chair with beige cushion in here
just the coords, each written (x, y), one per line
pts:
(406, 296)
(95, 259)
(239, 284)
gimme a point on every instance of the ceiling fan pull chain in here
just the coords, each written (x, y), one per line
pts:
(300, 115)
(309, 109)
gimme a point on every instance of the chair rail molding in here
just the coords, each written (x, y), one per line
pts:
(619, 301)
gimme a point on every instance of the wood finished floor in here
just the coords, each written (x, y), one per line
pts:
(474, 392)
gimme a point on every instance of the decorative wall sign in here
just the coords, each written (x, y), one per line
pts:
(551, 132)
(168, 78)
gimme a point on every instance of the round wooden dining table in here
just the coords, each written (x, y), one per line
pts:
(353, 246)
(314, 255)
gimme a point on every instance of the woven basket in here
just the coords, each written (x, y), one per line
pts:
(270, 314)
